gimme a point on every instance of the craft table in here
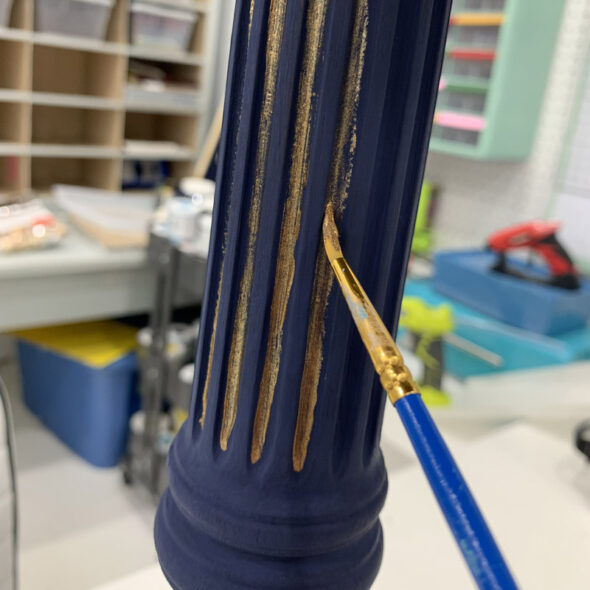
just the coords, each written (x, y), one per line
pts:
(76, 281)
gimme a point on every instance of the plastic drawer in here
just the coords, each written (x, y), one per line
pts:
(81, 18)
(156, 26)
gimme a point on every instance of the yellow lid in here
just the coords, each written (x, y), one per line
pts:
(97, 344)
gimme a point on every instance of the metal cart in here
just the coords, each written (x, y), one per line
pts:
(180, 274)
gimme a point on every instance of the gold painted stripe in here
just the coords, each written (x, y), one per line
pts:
(205, 396)
(276, 25)
(285, 270)
(211, 349)
(338, 186)
(251, 17)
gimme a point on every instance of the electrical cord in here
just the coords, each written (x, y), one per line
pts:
(12, 465)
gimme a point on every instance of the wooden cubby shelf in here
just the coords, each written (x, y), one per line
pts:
(98, 173)
(71, 110)
(72, 126)
(67, 71)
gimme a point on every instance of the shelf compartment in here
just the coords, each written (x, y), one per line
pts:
(70, 71)
(466, 101)
(76, 126)
(180, 170)
(15, 65)
(155, 54)
(168, 72)
(483, 5)
(139, 173)
(179, 129)
(452, 135)
(14, 122)
(14, 174)
(484, 37)
(468, 68)
(98, 173)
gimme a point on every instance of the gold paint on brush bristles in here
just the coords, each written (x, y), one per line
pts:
(285, 269)
(276, 24)
(387, 359)
(339, 183)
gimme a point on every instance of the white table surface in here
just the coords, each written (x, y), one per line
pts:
(77, 280)
(533, 487)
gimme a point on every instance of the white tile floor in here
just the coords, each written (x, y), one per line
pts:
(79, 526)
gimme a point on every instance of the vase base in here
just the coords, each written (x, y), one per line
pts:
(192, 560)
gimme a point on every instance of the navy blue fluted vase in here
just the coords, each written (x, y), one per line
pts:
(276, 478)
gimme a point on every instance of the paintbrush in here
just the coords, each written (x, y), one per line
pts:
(458, 505)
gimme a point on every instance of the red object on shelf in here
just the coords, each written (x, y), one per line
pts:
(474, 54)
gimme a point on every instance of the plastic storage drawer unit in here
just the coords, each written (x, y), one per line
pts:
(5, 6)
(161, 27)
(81, 18)
(80, 381)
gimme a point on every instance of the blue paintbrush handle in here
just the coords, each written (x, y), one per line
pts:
(452, 493)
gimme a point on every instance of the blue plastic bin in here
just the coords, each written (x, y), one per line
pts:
(87, 407)
(465, 276)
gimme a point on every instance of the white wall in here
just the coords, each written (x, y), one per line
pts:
(479, 197)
